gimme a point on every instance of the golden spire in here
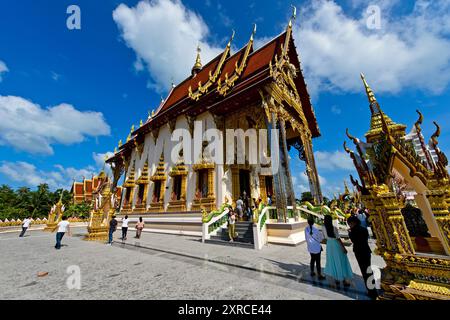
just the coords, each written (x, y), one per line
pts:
(140, 123)
(120, 143)
(115, 149)
(198, 62)
(379, 121)
(370, 94)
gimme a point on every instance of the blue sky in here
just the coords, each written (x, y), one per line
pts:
(68, 96)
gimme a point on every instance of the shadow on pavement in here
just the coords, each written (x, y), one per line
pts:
(301, 273)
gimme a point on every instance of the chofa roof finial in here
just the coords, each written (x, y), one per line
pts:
(198, 62)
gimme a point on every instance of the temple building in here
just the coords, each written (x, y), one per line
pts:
(84, 191)
(260, 93)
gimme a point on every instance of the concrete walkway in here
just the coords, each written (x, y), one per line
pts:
(274, 260)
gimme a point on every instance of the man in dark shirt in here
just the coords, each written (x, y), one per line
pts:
(112, 228)
(360, 239)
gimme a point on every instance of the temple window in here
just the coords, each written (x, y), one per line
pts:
(177, 187)
(157, 191)
(141, 190)
(202, 185)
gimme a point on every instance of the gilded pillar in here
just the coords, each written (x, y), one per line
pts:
(439, 207)
(395, 224)
(262, 188)
(211, 183)
(235, 184)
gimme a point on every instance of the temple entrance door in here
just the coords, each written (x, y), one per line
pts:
(244, 182)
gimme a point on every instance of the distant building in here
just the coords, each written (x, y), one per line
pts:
(83, 191)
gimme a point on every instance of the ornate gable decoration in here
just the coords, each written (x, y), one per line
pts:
(202, 89)
(238, 69)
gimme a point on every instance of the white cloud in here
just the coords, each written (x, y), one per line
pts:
(337, 160)
(408, 50)
(3, 69)
(28, 127)
(28, 175)
(164, 35)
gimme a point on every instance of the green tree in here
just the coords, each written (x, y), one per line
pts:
(307, 196)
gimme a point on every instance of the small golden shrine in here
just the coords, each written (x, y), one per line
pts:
(405, 185)
(55, 215)
(105, 203)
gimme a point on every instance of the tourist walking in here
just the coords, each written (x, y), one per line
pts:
(112, 229)
(360, 239)
(25, 224)
(63, 226)
(337, 265)
(232, 226)
(124, 227)
(314, 239)
(139, 227)
(240, 208)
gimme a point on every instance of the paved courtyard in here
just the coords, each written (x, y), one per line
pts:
(161, 266)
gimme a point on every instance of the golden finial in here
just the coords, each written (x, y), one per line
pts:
(369, 92)
(153, 113)
(419, 121)
(115, 149)
(132, 128)
(140, 123)
(346, 191)
(436, 134)
(231, 39)
(354, 139)
(120, 143)
(198, 62)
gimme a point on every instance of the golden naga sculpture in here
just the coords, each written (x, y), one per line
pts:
(405, 185)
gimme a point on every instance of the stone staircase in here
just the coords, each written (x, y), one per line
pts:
(244, 239)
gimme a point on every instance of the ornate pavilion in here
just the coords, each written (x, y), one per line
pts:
(404, 183)
(248, 89)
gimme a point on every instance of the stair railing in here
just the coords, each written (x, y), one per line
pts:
(318, 218)
(260, 228)
(214, 221)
